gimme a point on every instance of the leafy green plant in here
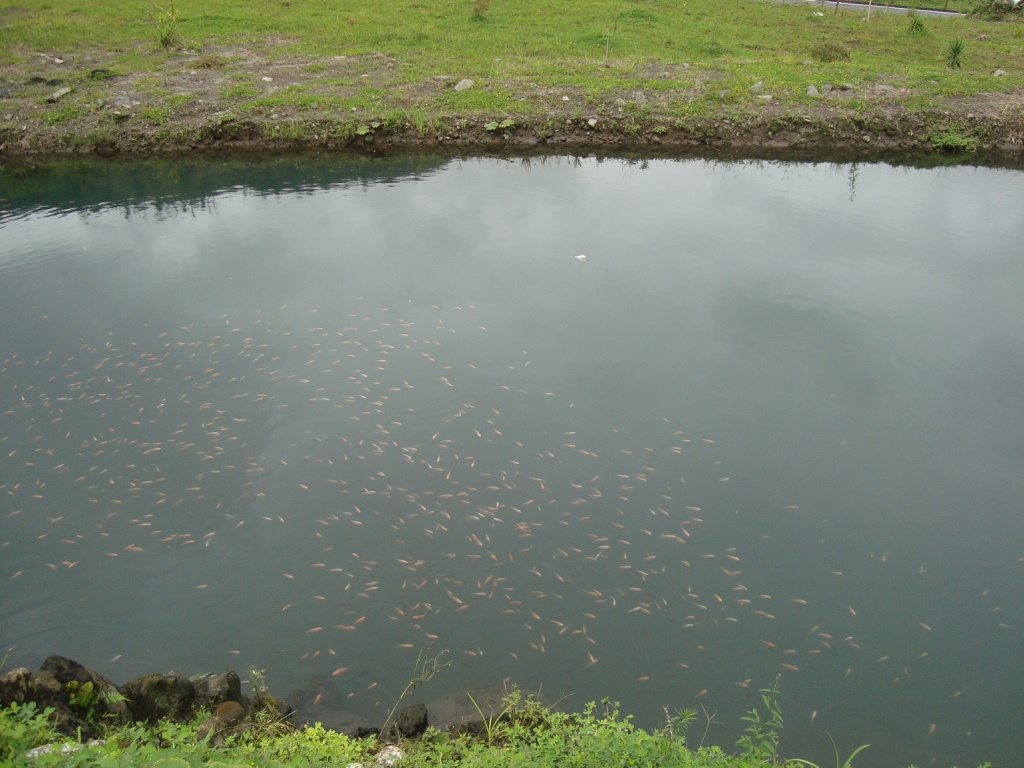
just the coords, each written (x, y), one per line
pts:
(313, 745)
(426, 667)
(505, 126)
(82, 696)
(760, 739)
(954, 53)
(846, 764)
(22, 727)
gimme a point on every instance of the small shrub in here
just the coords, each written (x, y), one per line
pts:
(828, 51)
(954, 53)
(996, 10)
(916, 27)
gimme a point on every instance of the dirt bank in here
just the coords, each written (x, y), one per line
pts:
(78, 103)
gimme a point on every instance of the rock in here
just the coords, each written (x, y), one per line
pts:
(758, 86)
(157, 697)
(227, 720)
(826, 88)
(412, 721)
(847, 87)
(765, 98)
(884, 88)
(16, 687)
(6, 91)
(999, 73)
(389, 756)
(80, 697)
(65, 749)
(57, 95)
(216, 688)
(812, 91)
(107, 702)
(464, 84)
(639, 97)
(620, 102)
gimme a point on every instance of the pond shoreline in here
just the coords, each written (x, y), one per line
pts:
(75, 106)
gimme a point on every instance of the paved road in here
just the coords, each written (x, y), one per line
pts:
(875, 8)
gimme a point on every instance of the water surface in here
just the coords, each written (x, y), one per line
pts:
(659, 432)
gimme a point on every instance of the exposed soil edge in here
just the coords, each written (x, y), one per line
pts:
(784, 132)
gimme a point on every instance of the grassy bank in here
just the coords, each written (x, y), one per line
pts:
(145, 76)
(523, 733)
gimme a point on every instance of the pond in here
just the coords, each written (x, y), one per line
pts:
(655, 431)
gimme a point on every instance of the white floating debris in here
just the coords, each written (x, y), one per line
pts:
(582, 257)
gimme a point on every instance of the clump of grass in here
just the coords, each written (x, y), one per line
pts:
(954, 53)
(480, 7)
(211, 61)
(828, 51)
(167, 26)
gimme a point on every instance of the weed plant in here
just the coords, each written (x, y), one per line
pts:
(167, 26)
(916, 27)
(954, 53)
(426, 666)
(760, 739)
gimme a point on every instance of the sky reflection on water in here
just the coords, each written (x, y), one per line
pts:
(771, 424)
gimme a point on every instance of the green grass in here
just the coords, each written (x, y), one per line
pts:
(440, 35)
(524, 733)
(524, 55)
(521, 733)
